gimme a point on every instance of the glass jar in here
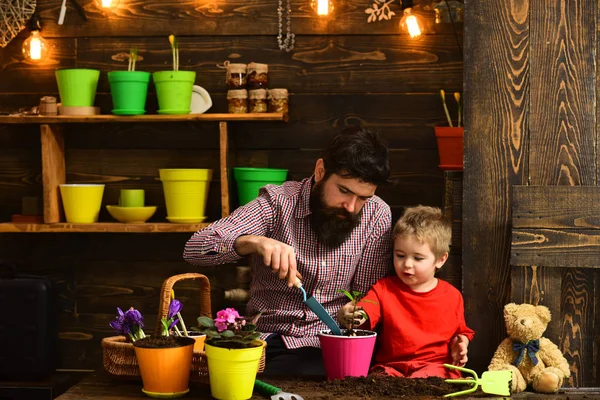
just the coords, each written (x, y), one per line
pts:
(236, 75)
(278, 101)
(237, 101)
(257, 75)
(257, 101)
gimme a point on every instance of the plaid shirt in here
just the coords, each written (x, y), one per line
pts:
(283, 213)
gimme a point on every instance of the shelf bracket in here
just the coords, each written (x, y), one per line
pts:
(53, 170)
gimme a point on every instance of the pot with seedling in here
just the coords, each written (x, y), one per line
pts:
(450, 137)
(174, 88)
(233, 352)
(348, 354)
(129, 89)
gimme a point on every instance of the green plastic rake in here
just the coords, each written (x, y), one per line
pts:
(492, 382)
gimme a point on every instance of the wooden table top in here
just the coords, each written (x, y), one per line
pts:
(101, 386)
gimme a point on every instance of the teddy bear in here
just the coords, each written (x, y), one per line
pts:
(533, 359)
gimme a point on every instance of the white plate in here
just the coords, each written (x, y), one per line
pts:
(201, 100)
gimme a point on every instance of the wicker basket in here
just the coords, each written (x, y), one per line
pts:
(118, 356)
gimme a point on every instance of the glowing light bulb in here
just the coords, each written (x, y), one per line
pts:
(411, 22)
(104, 4)
(35, 47)
(322, 7)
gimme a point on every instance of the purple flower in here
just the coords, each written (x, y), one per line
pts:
(229, 314)
(221, 324)
(174, 308)
(129, 323)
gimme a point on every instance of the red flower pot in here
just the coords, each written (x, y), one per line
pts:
(450, 147)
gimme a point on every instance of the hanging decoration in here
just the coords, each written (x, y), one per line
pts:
(286, 44)
(35, 47)
(379, 11)
(14, 15)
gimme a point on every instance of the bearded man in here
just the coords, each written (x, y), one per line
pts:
(329, 230)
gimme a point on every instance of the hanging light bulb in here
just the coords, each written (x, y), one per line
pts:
(322, 7)
(106, 4)
(35, 47)
(409, 21)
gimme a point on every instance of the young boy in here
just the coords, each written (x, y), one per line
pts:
(421, 317)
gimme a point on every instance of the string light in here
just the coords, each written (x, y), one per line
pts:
(322, 7)
(35, 47)
(106, 4)
(409, 20)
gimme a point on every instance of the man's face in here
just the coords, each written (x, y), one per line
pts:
(336, 204)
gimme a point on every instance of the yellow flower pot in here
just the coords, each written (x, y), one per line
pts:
(232, 371)
(186, 193)
(81, 202)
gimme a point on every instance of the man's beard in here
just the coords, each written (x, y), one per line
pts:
(332, 225)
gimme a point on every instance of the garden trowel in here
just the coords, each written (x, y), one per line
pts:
(318, 309)
(492, 382)
(274, 392)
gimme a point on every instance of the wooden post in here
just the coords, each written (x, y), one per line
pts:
(224, 169)
(53, 170)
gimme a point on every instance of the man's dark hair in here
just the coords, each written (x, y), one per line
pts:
(358, 153)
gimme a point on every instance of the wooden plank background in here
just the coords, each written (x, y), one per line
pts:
(343, 71)
(543, 131)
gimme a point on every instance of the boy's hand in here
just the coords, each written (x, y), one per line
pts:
(459, 348)
(348, 313)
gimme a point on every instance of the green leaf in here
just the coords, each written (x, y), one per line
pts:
(248, 327)
(346, 293)
(206, 322)
(227, 334)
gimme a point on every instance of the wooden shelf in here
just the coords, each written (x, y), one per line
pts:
(64, 119)
(101, 227)
(54, 168)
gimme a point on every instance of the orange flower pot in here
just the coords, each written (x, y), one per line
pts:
(450, 142)
(166, 371)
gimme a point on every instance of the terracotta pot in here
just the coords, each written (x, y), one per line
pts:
(166, 371)
(450, 147)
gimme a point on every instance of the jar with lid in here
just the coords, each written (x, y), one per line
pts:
(236, 75)
(237, 101)
(257, 75)
(257, 101)
(278, 101)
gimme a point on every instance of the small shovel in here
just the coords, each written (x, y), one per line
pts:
(318, 309)
(492, 382)
(274, 392)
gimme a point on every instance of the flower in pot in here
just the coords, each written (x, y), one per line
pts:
(349, 354)
(450, 137)
(165, 361)
(129, 89)
(233, 351)
(174, 88)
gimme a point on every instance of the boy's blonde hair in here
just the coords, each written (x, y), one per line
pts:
(427, 225)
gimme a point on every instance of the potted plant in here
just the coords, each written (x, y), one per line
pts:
(349, 354)
(450, 137)
(174, 88)
(233, 351)
(129, 89)
(165, 361)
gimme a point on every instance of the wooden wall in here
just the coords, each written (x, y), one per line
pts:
(342, 72)
(531, 120)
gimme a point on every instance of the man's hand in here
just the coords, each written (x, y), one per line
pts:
(459, 348)
(279, 256)
(347, 316)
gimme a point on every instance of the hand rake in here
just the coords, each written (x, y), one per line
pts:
(274, 392)
(492, 382)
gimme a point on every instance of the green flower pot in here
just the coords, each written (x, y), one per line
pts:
(129, 90)
(77, 86)
(250, 180)
(174, 91)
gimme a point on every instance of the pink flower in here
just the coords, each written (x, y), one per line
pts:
(229, 314)
(221, 324)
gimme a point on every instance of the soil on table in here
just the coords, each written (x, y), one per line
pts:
(160, 342)
(372, 387)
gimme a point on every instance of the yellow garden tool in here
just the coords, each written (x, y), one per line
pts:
(492, 382)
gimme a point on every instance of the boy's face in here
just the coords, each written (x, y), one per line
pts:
(415, 264)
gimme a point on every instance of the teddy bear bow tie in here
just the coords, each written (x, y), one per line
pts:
(532, 347)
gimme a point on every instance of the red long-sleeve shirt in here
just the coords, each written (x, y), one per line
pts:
(415, 326)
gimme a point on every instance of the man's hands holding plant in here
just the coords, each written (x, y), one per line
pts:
(350, 316)
(279, 256)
